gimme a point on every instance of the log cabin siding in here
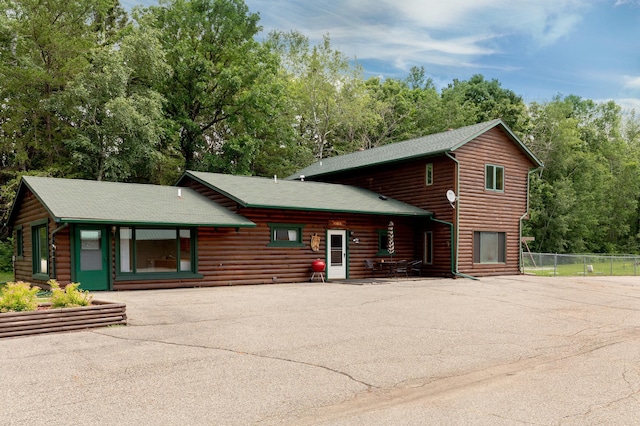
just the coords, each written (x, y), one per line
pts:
(479, 209)
(494, 211)
(236, 257)
(29, 211)
(407, 182)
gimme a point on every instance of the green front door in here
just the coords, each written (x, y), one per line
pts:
(91, 258)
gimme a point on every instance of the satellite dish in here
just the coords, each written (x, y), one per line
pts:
(451, 196)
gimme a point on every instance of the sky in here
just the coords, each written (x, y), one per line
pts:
(536, 48)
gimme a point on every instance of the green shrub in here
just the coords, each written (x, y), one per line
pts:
(18, 296)
(6, 255)
(68, 297)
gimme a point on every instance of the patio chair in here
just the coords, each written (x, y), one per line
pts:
(401, 268)
(370, 266)
(415, 267)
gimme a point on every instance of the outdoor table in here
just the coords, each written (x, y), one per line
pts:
(390, 266)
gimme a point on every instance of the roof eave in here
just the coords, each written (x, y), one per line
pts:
(327, 210)
(379, 163)
(74, 220)
(214, 188)
(510, 135)
(24, 184)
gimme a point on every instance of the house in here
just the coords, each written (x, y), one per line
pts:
(475, 181)
(456, 201)
(212, 229)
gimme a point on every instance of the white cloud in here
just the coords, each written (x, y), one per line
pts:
(454, 33)
(632, 82)
(629, 104)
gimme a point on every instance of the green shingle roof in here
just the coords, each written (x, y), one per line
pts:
(438, 143)
(308, 196)
(84, 201)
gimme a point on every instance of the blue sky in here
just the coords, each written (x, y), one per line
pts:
(537, 48)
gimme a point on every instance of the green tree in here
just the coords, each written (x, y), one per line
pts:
(217, 90)
(43, 47)
(332, 108)
(407, 108)
(114, 114)
(586, 198)
(483, 100)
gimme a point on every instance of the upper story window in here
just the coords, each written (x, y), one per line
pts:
(286, 235)
(429, 174)
(494, 177)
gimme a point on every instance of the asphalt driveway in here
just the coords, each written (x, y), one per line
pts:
(504, 350)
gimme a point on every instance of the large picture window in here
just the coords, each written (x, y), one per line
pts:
(489, 247)
(156, 250)
(40, 249)
(494, 178)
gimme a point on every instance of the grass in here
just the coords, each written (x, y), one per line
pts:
(5, 277)
(607, 267)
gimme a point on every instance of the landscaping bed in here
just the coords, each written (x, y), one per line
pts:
(50, 320)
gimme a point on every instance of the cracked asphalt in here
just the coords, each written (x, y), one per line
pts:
(498, 351)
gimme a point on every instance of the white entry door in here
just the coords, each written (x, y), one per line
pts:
(337, 246)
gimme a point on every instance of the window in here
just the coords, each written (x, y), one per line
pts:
(429, 174)
(489, 247)
(428, 248)
(19, 242)
(494, 178)
(286, 235)
(40, 251)
(156, 251)
(383, 242)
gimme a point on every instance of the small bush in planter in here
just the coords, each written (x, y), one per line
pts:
(71, 296)
(18, 296)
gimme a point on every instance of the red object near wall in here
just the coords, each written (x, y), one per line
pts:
(317, 265)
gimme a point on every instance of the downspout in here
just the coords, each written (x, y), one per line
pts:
(457, 209)
(454, 267)
(526, 213)
(454, 241)
(53, 249)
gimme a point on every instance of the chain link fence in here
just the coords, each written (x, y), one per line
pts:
(571, 265)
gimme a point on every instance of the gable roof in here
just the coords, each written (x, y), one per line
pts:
(425, 146)
(260, 192)
(85, 201)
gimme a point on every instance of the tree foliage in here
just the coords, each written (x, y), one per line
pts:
(89, 92)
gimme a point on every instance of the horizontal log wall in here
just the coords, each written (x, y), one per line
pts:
(99, 314)
(230, 257)
(29, 210)
(407, 182)
(482, 210)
